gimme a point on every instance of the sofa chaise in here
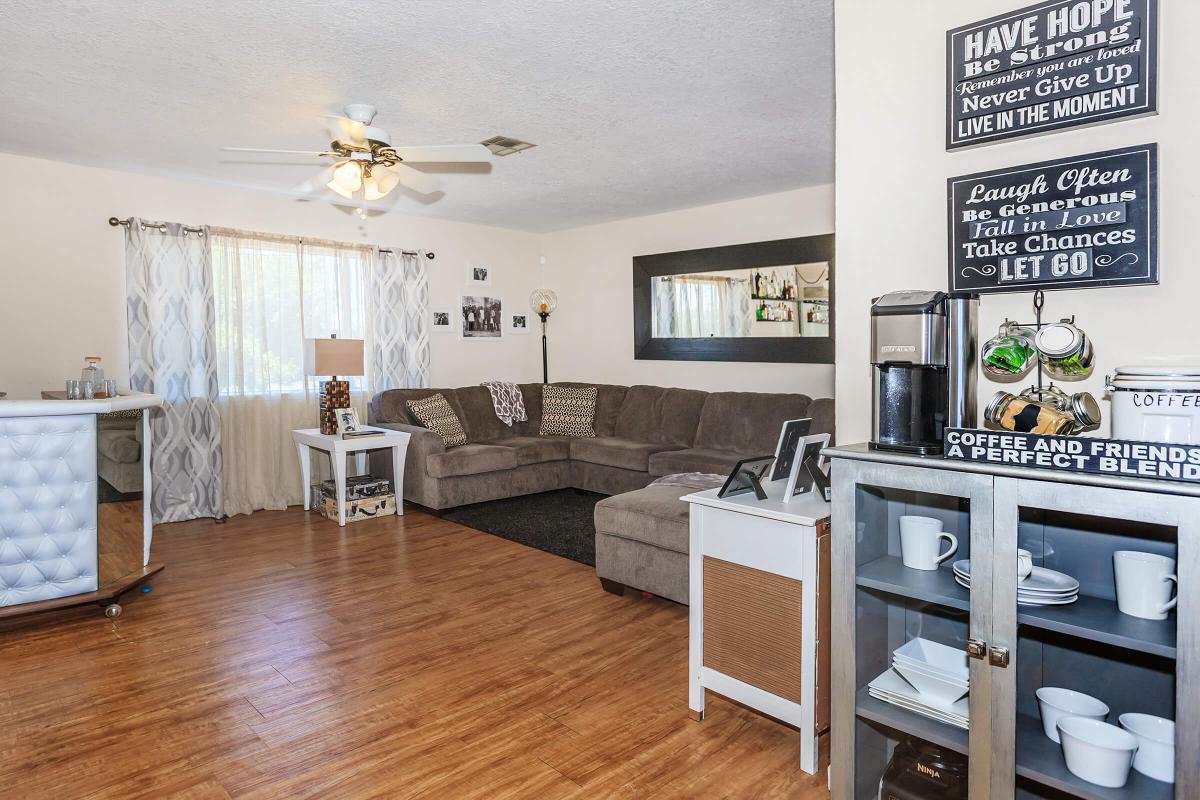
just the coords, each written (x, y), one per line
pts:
(642, 433)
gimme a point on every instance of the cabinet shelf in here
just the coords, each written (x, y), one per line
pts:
(1041, 760)
(908, 722)
(888, 574)
(1099, 620)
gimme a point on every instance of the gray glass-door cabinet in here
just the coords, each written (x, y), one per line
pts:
(1072, 524)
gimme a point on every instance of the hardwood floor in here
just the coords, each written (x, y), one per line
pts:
(279, 656)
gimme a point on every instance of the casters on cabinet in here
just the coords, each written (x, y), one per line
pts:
(112, 610)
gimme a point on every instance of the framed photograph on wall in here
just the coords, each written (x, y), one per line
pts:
(518, 323)
(799, 480)
(785, 452)
(482, 317)
(441, 320)
(479, 275)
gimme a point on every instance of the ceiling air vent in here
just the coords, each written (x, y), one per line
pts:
(505, 145)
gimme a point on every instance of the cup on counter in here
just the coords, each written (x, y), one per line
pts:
(110, 387)
(921, 541)
(74, 390)
(1145, 583)
(87, 390)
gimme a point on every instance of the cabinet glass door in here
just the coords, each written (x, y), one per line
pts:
(1092, 635)
(920, 537)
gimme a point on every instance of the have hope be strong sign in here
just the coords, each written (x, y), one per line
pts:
(1050, 66)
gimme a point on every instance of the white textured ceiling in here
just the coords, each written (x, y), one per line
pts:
(637, 106)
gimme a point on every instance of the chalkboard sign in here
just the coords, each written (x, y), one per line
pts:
(1051, 66)
(1071, 223)
(1116, 457)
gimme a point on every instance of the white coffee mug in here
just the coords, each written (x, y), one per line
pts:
(1024, 564)
(920, 540)
(1144, 583)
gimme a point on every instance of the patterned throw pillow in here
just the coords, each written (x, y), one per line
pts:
(568, 411)
(435, 413)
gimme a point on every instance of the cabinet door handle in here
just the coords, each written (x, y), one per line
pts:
(976, 648)
(998, 657)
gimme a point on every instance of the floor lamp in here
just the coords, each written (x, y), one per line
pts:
(543, 302)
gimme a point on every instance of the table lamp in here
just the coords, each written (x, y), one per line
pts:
(333, 357)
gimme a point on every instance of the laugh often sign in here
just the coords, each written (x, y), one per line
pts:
(1085, 221)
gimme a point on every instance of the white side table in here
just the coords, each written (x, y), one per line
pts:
(759, 609)
(338, 448)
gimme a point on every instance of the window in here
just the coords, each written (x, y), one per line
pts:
(272, 294)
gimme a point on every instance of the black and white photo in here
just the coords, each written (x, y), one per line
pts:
(441, 320)
(481, 317)
(518, 323)
(479, 275)
(347, 420)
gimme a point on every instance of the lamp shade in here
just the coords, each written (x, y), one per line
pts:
(543, 301)
(333, 357)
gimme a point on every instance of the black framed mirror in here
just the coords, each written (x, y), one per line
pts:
(764, 301)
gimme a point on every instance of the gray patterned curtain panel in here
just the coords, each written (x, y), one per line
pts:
(173, 353)
(398, 295)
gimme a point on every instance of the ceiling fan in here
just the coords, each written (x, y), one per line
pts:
(367, 160)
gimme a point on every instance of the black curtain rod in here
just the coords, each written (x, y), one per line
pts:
(114, 221)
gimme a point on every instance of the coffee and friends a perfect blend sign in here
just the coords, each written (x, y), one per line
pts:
(1080, 222)
(1115, 457)
(1050, 66)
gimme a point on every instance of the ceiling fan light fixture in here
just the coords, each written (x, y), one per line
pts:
(372, 189)
(348, 176)
(386, 180)
(336, 187)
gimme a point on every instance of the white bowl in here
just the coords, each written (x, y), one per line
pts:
(1054, 703)
(939, 689)
(1096, 751)
(939, 657)
(1156, 745)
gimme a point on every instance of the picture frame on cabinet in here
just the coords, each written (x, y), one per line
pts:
(799, 480)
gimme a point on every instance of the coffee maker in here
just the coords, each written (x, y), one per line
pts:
(923, 368)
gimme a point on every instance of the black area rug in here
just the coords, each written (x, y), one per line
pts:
(558, 522)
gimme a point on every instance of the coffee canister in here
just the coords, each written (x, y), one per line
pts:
(1065, 351)
(1156, 403)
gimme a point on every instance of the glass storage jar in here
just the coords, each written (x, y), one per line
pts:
(1025, 416)
(1065, 351)
(1010, 353)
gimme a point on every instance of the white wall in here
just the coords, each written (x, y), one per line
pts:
(891, 191)
(63, 281)
(591, 269)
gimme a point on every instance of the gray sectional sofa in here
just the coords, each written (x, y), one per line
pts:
(642, 433)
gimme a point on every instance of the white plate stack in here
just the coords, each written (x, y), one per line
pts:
(1043, 587)
(929, 679)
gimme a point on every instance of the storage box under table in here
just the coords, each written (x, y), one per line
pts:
(356, 510)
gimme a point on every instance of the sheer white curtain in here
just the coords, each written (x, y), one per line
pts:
(694, 306)
(271, 294)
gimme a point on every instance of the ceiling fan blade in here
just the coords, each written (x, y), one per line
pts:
(445, 153)
(317, 182)
(269, 150)
(416, 180)
(343, 129)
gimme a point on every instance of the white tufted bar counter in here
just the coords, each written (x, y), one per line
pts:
(57, 545)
